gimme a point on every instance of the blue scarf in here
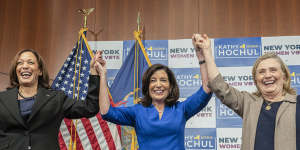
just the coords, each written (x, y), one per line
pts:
(298, 123)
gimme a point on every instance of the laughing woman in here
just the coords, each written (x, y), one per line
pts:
(159, 119)
(269, 113)
(31, 113)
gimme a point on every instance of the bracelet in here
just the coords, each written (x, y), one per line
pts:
(201, 62)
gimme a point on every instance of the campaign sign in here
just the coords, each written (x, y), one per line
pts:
(157, 50)
(295, 77)
(206, 118)
(226, 118)
(188, 80)
(239, 78)
(287, 47)
(112, 52)
(182, 54)
(200, 139)
(229, 138)
(237, 51)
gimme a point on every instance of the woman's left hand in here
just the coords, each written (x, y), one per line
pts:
(94, 63)
(100, 65)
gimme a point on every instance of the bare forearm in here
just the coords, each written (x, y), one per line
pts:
(104, 102)
(204, 77)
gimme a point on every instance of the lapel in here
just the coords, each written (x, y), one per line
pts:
(42, 98)
(288, 99)
(10, 101)
(253, 116)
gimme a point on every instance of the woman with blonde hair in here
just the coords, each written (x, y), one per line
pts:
(269, 114)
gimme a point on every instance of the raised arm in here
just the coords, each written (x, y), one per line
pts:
(202, 44)
(100, 67)
(202, 63)
(228, 95)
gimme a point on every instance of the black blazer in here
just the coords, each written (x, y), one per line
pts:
(41, 129)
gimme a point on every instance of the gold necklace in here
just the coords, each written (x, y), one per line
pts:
(268, 107)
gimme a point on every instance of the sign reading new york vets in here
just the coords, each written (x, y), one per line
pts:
(206, 118)
(112, 52)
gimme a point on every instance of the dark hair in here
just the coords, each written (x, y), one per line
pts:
(43, 80)
(287, 83)
(174, 90)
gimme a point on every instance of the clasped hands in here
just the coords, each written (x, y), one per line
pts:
(98, 64)
(201, 43)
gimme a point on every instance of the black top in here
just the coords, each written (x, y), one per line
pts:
(264, 139)
(40, 131)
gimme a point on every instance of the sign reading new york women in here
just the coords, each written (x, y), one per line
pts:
(216, 127)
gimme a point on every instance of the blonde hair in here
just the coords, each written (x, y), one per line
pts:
(287, 83)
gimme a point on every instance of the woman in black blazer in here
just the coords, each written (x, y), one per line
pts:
(31, 112)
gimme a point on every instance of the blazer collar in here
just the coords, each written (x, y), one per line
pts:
(287, 101)
(10, 99)
(290, 98)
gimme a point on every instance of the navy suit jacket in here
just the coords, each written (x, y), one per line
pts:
(40, 131)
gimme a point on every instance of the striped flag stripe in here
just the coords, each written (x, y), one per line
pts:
(90, 132)
(65, 135)
(107, 133)
(98, 132)
(68, 123)
(85, 142)
(62, 143)
(115, 134)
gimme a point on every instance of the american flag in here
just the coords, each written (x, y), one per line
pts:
(83, 134)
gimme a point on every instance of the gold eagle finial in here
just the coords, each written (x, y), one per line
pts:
(85, 13)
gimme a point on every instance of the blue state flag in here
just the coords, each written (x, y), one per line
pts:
(126, 87)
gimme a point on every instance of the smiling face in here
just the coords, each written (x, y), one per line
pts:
(159, 86)
(27, 70)
(270, 78)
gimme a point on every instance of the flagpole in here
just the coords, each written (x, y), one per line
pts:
(85, 13)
